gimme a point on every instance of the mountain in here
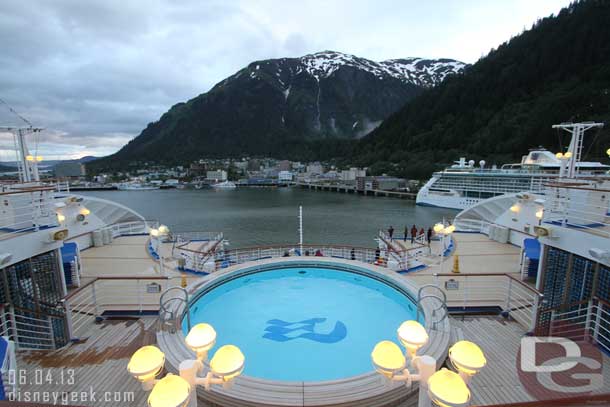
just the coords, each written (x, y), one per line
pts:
(280, 107)
(506, 103)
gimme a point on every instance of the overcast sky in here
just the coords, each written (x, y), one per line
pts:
(94, 73)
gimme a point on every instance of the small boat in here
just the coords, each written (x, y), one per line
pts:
(224, 185)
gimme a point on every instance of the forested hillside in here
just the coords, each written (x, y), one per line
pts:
(506, 103)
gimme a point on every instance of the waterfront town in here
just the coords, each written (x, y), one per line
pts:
(245, 172)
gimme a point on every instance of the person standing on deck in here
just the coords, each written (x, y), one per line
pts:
(391, 232)
(406, 233)
(413, 234)
(422, 232)
(429, 236)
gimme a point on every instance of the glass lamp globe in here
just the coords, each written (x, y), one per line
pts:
(439, 227)
(146, 363)
(228, 362)
(201, 338)
(171, 391)
(388, 359)
(447, 389)
(412, 335)
(467, 357)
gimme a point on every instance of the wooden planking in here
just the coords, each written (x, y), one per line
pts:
(498, 382)
(99, 363)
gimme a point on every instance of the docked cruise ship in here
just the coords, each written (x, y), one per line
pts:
(464, 184)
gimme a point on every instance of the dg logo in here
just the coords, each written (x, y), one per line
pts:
(556, 367)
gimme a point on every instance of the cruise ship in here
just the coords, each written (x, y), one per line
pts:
(101, 307)
(464, 184)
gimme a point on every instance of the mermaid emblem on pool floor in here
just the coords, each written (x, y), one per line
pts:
(282, 331)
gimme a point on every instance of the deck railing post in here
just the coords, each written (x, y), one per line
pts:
(11, 315)
(509, 293)
(534, 320)
(598, 318)
(588, 317)
(94, 298)
(69, 326)
(139, 295)
(51, 334)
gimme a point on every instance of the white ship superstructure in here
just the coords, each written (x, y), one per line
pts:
(463, 184)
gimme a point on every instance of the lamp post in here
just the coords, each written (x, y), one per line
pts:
(445, 388)
(443, 231)
(180, 391)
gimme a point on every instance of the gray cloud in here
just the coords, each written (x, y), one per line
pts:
(96, 72)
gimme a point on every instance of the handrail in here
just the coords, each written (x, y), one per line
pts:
(509, 275)
(104, 278)
(26, 190)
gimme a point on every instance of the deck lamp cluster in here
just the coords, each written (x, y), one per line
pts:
(444, 388)
(180, 390)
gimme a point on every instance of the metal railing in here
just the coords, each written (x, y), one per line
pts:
(513, 297)
(578, 205)
(138, 227)
(581, 321)
(26, 209)
(218, 257)
(107, 294)
(27, 329)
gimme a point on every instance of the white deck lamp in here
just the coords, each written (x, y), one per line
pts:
(447, 389)
(467, 358)
(146, 364)
(413, 336)
(226, 364)
(171, 391)
(388, 359)
(201, 338)
(443, 231)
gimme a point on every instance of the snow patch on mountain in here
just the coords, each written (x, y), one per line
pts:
(418, 71)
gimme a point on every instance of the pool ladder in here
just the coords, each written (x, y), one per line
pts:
(439, 310)
(167, 317)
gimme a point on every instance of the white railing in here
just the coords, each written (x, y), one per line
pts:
(584, 207)
(404, 259)
(138, 227)
(585, 321)
(515, 298)
(471, 225)
(26, 210)
(26, 331)
(107, 294)
(219, 258)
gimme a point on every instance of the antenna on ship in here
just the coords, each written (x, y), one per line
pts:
(27, 164)
(577, 130)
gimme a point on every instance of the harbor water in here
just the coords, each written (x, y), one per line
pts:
(266, 216)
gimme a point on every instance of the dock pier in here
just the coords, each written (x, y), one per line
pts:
(349, 189)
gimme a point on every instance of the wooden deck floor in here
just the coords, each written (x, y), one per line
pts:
(498, 382)
(97, 364)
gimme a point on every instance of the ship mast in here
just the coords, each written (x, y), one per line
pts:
(26, 163)
(577, 130)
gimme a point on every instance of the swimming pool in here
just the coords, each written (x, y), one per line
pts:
(303, 322)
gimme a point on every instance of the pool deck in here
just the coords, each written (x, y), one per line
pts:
(100, 362)
(100, 359)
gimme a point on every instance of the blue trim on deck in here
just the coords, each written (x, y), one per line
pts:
(191, 271)
(412, 269)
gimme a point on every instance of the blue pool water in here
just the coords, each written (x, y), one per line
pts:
(303, 324)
